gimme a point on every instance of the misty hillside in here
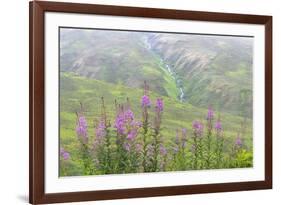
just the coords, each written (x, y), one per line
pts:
(197, 69)
(214, 70)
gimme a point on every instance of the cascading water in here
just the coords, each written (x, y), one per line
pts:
(169, 69)
(181, 95)
(174, 76)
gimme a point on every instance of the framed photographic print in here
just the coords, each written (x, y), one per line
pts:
(139, 102)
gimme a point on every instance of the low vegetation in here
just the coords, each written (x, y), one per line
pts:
(137, 130)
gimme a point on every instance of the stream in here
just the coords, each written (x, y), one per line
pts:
(169, 69)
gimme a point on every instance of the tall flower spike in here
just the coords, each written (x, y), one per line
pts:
(120, 123)
(132, 134)
(238, 141)
(197, 127)
(81, 128)
(129, 115)
(218, 126)
(146, 89)
(100, 130)
(64, 154)
(210, 114)
(145, 101)
(159, 105)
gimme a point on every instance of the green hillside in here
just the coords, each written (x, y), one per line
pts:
(117, 57)
(210, 70)
(75, 89)
(214, 70)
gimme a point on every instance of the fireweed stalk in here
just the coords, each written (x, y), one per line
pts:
(145, 104)
(64, 157)
(131, 145)
(102, 142)
(209, 118)
(197, 143)
(82, 135)
(64, 154)
(164, 153)
(159, 106)
(120, 140)
(98, 146)
(107, 126)
(180, 148)
(238, 144)
(183, 146)
(127, 130)
(219, 143)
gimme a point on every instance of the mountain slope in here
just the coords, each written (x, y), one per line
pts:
(213, 70)
(201, 70)
(117, 57)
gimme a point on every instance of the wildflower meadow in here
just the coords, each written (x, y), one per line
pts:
(127, 144)
(148, 101)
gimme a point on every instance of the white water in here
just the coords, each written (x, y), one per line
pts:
(169, 70)
(182, 94)
(173, 75)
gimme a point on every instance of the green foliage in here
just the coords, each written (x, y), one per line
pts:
(211, 154)
(243, 158)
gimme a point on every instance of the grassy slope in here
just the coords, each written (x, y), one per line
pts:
(214, 70)
(75, 89)
(117, 57)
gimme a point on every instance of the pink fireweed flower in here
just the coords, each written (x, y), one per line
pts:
(82, 128)
(238, 141)
(100, 130)
(210, 114)
(120, 123)
(197, 127)
(100, 134)
(159, 105)
(218, 126)
(128, 115)
(126, 125)
(145, 101)
(64, 154)
(132, 134)
(136, 124)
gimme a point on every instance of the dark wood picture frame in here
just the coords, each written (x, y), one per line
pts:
(37, 193)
